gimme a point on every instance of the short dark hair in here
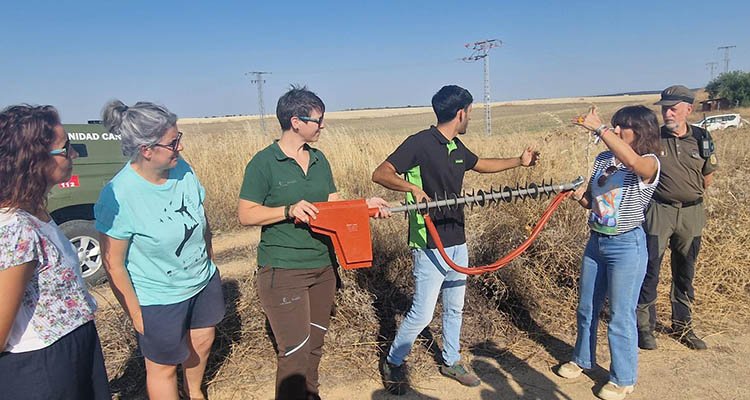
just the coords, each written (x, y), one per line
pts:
(449, 100)
(26, 134)
(644, 123)
(297, 102)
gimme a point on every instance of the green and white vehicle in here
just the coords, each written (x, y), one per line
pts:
(71, 203)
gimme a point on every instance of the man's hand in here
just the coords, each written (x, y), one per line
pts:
(708, 180)
(529, 157)
(382, 205)
(419, 195)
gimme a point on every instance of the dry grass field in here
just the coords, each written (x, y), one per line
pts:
(525, 312)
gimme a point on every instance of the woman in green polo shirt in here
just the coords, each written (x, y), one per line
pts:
(296, 280)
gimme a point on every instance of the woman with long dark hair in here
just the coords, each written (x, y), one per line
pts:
(614, 262)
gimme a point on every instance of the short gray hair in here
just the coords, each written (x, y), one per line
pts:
(140, 125)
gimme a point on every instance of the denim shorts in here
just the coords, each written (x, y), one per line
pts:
(165, 327)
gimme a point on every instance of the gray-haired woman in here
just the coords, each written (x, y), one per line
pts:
(156, 245)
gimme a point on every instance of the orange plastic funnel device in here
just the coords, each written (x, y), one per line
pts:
(347, 223)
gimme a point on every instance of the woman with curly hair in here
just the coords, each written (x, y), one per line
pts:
(50, 347)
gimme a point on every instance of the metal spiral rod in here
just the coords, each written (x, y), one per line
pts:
(482, 198)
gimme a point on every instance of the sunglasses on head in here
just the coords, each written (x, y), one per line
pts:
(64, 151)
(173, 145)
(607, 173)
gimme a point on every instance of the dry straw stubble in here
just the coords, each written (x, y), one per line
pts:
(525, 307)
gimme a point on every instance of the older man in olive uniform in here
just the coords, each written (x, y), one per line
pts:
(676, 217)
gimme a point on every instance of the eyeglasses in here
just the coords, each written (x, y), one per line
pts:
(173, 145)
(607, 173)
(64, 151)
(318, 121)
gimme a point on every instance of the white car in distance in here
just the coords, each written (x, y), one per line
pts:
(723, 121)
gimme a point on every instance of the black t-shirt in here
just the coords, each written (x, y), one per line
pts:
(437, 165)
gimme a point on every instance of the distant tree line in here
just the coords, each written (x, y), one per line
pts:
(733, 86)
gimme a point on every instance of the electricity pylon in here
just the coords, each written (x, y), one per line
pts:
(481, 52)
(726, 56)
(711, 66)
(259, 81)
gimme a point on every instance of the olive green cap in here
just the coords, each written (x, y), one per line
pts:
(675, 94)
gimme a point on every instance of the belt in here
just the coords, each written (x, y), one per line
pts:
(678, 204)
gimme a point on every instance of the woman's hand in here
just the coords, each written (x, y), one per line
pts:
(590, 121)
(138, 322)
(579, 196)
(382, 205)
(579, 193)
(303, 211)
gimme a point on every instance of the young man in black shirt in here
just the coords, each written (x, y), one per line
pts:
(435, 161)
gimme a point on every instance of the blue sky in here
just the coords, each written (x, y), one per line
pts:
(192, 57)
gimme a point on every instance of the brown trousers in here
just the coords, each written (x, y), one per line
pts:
(298, 304)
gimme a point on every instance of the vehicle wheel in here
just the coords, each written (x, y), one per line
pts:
(85, 239)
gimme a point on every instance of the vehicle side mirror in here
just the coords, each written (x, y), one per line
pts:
(81, 149)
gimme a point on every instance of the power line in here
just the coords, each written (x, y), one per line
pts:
(726, 56)
(481, 52)
(711, 66)
(369, 68)
(259, 81)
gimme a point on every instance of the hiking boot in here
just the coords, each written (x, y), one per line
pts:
(691, 341)
(612, 391)
(394, 378)
(459, 373)
(646, 340)
(569, 370)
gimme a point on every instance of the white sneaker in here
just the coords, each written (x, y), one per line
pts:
(570, 370)
(612, 391)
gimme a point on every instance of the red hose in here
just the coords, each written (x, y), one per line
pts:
(502, 262)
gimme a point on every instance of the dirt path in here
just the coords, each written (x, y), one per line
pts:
(671, 372)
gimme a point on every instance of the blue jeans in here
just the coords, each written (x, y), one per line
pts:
(432, 276)
(613, 267)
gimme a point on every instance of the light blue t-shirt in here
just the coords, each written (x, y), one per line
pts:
(165, 224)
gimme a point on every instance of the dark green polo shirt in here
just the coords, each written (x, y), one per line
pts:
(273, 179)
(682, 167)
(437, 165)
